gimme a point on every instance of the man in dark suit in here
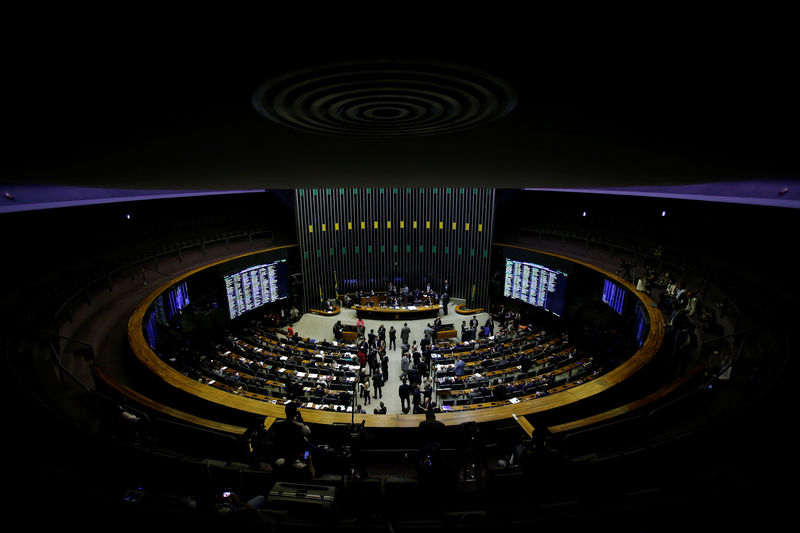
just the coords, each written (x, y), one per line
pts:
(416, 397)
(432, 429)
(404, 392)
(385, 366)
(445, 300)
(377, 383)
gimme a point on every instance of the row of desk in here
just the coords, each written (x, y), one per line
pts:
(445, 408)
(548, 392)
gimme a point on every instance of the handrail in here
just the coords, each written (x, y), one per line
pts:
(71, 339)
(131, 395)
(734, 334)
(596, 240)
(146, 257)
(725, 367)
(621, 420)
(624, 411)
(63, 370)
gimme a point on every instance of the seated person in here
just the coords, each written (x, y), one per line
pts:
(290, 437)
(432, 429)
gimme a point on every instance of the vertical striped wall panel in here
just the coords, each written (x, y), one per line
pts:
(363, 238)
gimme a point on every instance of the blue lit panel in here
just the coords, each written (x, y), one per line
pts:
(177, 299)
(640, 324)
(613, 295)
(151, 330)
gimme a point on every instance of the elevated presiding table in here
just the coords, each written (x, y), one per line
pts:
(398, 313)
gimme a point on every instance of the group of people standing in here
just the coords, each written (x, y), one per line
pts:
(416, 389)
(374, 368)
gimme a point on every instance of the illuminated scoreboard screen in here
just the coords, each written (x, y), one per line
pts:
(536, 284)
(255, 286)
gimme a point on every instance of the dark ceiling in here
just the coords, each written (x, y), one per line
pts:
(145, 103)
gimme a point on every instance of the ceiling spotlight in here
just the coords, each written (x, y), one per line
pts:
(584, 213)
(663, 213)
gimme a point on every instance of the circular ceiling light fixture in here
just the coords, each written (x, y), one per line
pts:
(384, 98)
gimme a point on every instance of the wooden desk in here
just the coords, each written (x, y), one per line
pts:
(446, 334)
(335, 311)
(464, 310)
(399, 313)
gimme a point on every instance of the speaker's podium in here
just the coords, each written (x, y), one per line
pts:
(302, 498)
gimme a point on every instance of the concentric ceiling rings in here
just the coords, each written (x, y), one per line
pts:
(389, 98)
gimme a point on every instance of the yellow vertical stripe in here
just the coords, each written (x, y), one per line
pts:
(441, 225)
(454, 225)
(427, 224)
(323, 227)
(310, 228)
(480, 227)
(415, 224)
(363, 224)
(402, 224)
(349, 225)
(388, 224)
(336, 227)
(466, 226)
(375, 225)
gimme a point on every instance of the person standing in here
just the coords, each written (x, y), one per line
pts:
(385, 366)
(392, 338)
(364, 388)
(405, 333)
(416, 398)
(405, 364)
(377, 384)
(459, 367)
(404, 391)
(445, 300)
(373, 362)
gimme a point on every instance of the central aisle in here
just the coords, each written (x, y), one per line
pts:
(321, 327)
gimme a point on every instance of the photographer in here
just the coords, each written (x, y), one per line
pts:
(292, 448)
